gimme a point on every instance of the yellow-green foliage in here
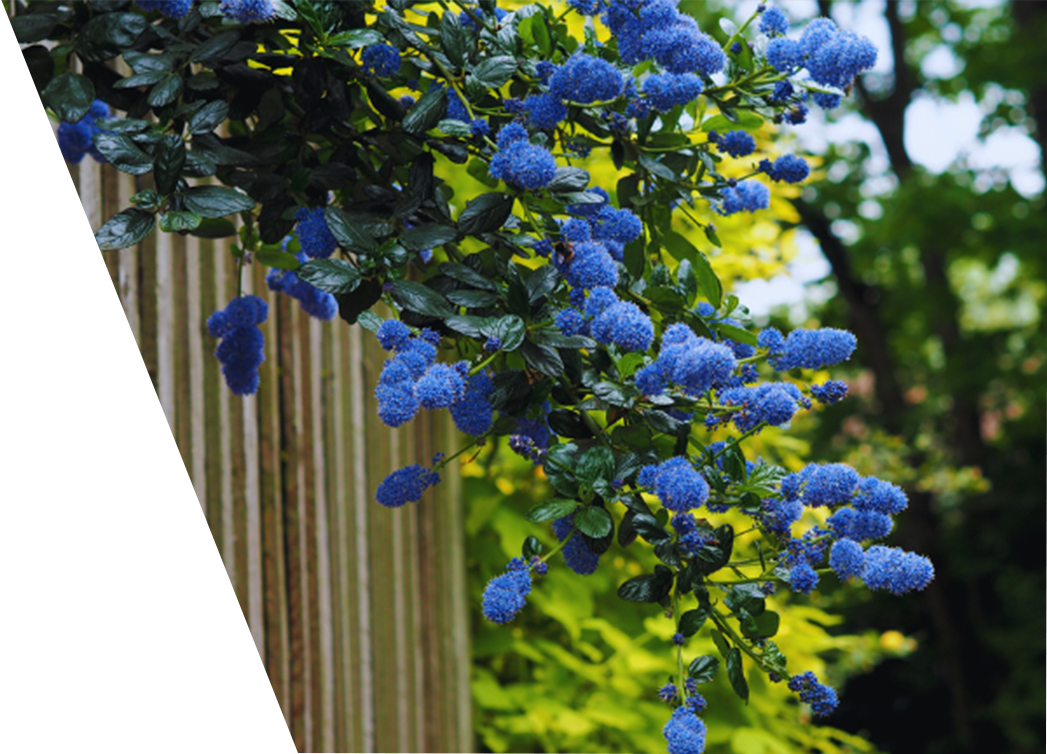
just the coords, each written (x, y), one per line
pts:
(578, 670)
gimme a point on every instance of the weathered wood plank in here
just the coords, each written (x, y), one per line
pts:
(325, 631)
(249, 570)
(95, 492)
(294, 516)
(214, 393)
(134, 511)
(169, 607)
(80, 718)
(200, 733)
(273, 549)
(42, 546)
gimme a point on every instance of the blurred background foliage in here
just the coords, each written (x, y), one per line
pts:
(941, 276)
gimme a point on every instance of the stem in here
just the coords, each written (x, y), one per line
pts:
(484, 363)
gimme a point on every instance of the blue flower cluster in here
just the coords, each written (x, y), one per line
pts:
(405, 485)
(380, 60)
(619, 322)
(829, 392)
(694, 364)
(315, 237)
(506, 595)
(544, 111)
(747, 196)
(241, 350)
(169, 8)
(807, 349)
(676, 484)
(772, 403)
(685, 732)
(735, 143)
(576, 554)
(895, 570)
(773, 22)
(788, 168)
(315, 303)
(831, 57)
(248, 11)
(520, 163)
(77, 139)
(822, 698)
(473, 414)
(586, 79)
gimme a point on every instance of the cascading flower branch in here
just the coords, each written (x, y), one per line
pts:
(570, 319)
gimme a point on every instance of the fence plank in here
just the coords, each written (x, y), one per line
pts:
(95, 493)
(199, 352)
(169, 548)
(43, 585)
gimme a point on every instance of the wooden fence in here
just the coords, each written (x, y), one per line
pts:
(184, 570)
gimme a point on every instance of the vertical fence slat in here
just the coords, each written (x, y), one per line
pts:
(169, 523)
(249, 570)
(197, 271)
(276, 607)
(95, 493)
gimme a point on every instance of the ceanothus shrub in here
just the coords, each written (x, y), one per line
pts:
(543, 309)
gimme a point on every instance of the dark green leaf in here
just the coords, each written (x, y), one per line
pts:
(463, 273)
(355, 38)
(147, 78)
(216, 201)
(494, 72)
(336, 276)
(531, 547)
(649, 587)
(559, 340)
(123, 125)
(596, 463)
(614, 394)
(125, 229)
(568, 424)
(214, 227)
(210, 51)
(746, 597)
(544, 359)
(735, 333)
(465, 324)
(168, 164)
(692, 621)
(165, 91)
(510, 330)
(765, 625)
(418, 298)
(427, 237)
(208, 117)
(108, 34)
(569, 179)
(736, 673)
(485, 213)
(70, 96)
(350, 234)
(370, 321)
(457, 128)
(173, 222)
(281, 260)
(703, 669)
(686, 280)
(541, 282)
(142, 62)
(123, 154)
(26, 72)
(426, 112)
(647, 526)
(473, 299)
(32, 27)
(551, 510)
(454, 39)
(594, 521)
(353, 304)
